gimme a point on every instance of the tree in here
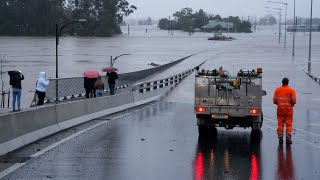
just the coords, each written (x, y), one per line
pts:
(268, 20)
(38, 17)
(163, 24)
(217, 17)
(187, 20)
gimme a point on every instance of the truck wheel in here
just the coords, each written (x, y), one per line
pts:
(207, 131)
(202, 130)
(256, 126)
(256, 136)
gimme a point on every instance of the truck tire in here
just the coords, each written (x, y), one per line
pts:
(256, 126)
(205, 131)
(202, 130)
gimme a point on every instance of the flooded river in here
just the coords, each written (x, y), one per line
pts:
(78, 54)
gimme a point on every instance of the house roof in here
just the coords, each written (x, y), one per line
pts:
(212, 24)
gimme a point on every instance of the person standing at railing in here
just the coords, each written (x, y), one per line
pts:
(113, 76)
(15, 81)
(89, 87)
(99, 87)
(41, 87)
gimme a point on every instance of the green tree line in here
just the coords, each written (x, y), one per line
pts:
(39, 17)
(188, 20)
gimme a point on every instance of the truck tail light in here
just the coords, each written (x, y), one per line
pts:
(254, 111)
(200, 109)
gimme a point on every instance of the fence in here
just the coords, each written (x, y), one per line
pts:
(317, 79)
(73, 87)
(162, 83)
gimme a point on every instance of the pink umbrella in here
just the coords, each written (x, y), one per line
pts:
(109, 69)
(91, 74)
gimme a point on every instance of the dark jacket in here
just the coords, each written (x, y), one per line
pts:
(89, 83)
(15, 79)
(112, 77)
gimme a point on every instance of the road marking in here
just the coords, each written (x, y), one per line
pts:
(18, 165)
(273, 121)
(309, 143)
(315, 113)
(10, 169)
(65, 140)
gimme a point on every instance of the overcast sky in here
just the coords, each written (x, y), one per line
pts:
(164, 8)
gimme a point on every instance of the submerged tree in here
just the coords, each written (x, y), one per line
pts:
(38, 17)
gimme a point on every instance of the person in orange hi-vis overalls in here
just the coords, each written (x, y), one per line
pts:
(285, 98)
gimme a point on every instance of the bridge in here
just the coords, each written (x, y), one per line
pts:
(150, 132)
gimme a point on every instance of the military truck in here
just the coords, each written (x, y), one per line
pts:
(222, 100)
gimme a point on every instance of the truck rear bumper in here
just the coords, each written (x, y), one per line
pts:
(231, 122)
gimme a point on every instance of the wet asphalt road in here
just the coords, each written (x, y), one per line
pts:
(161, 141)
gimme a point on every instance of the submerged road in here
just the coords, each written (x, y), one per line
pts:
(160, 141)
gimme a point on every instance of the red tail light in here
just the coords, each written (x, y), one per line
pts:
(254, 111)
(200, 109)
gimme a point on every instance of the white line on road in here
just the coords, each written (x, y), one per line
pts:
(309, 143)
(273, 121)
(11, 169)
(18, 165)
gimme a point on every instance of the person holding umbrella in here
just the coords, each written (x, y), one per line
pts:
(15, 81)
(90, 77)
(112, 77)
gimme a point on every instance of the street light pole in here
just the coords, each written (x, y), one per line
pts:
(294, 27)
(58, 33)
(113, 60)
(279, 13)
(310, 40)
(285, 21)
(285, 27)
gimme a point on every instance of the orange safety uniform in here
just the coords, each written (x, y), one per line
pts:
(285, 98)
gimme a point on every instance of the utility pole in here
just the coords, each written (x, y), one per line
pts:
(228, 24)
(285, 26)
(128, 29)
(310, 40)
(169, 26)
(294, 27)
(280, 28)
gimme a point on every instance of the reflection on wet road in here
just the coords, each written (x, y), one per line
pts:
(228, 155)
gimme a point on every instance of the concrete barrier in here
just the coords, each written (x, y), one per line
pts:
(68, 114)
(19, 129)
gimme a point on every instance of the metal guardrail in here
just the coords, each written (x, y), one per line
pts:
(143, 87)
(69, 88)
(315, 78)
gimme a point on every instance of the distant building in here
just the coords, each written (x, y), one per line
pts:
(216, 25)
(303, 28)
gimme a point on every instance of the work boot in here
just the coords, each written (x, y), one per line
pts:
(288, 141)
(280, 137)
(280, 141)
(288, 137)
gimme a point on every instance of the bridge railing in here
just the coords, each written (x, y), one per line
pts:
(315, 78)
(69, 88)
(148, 86)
